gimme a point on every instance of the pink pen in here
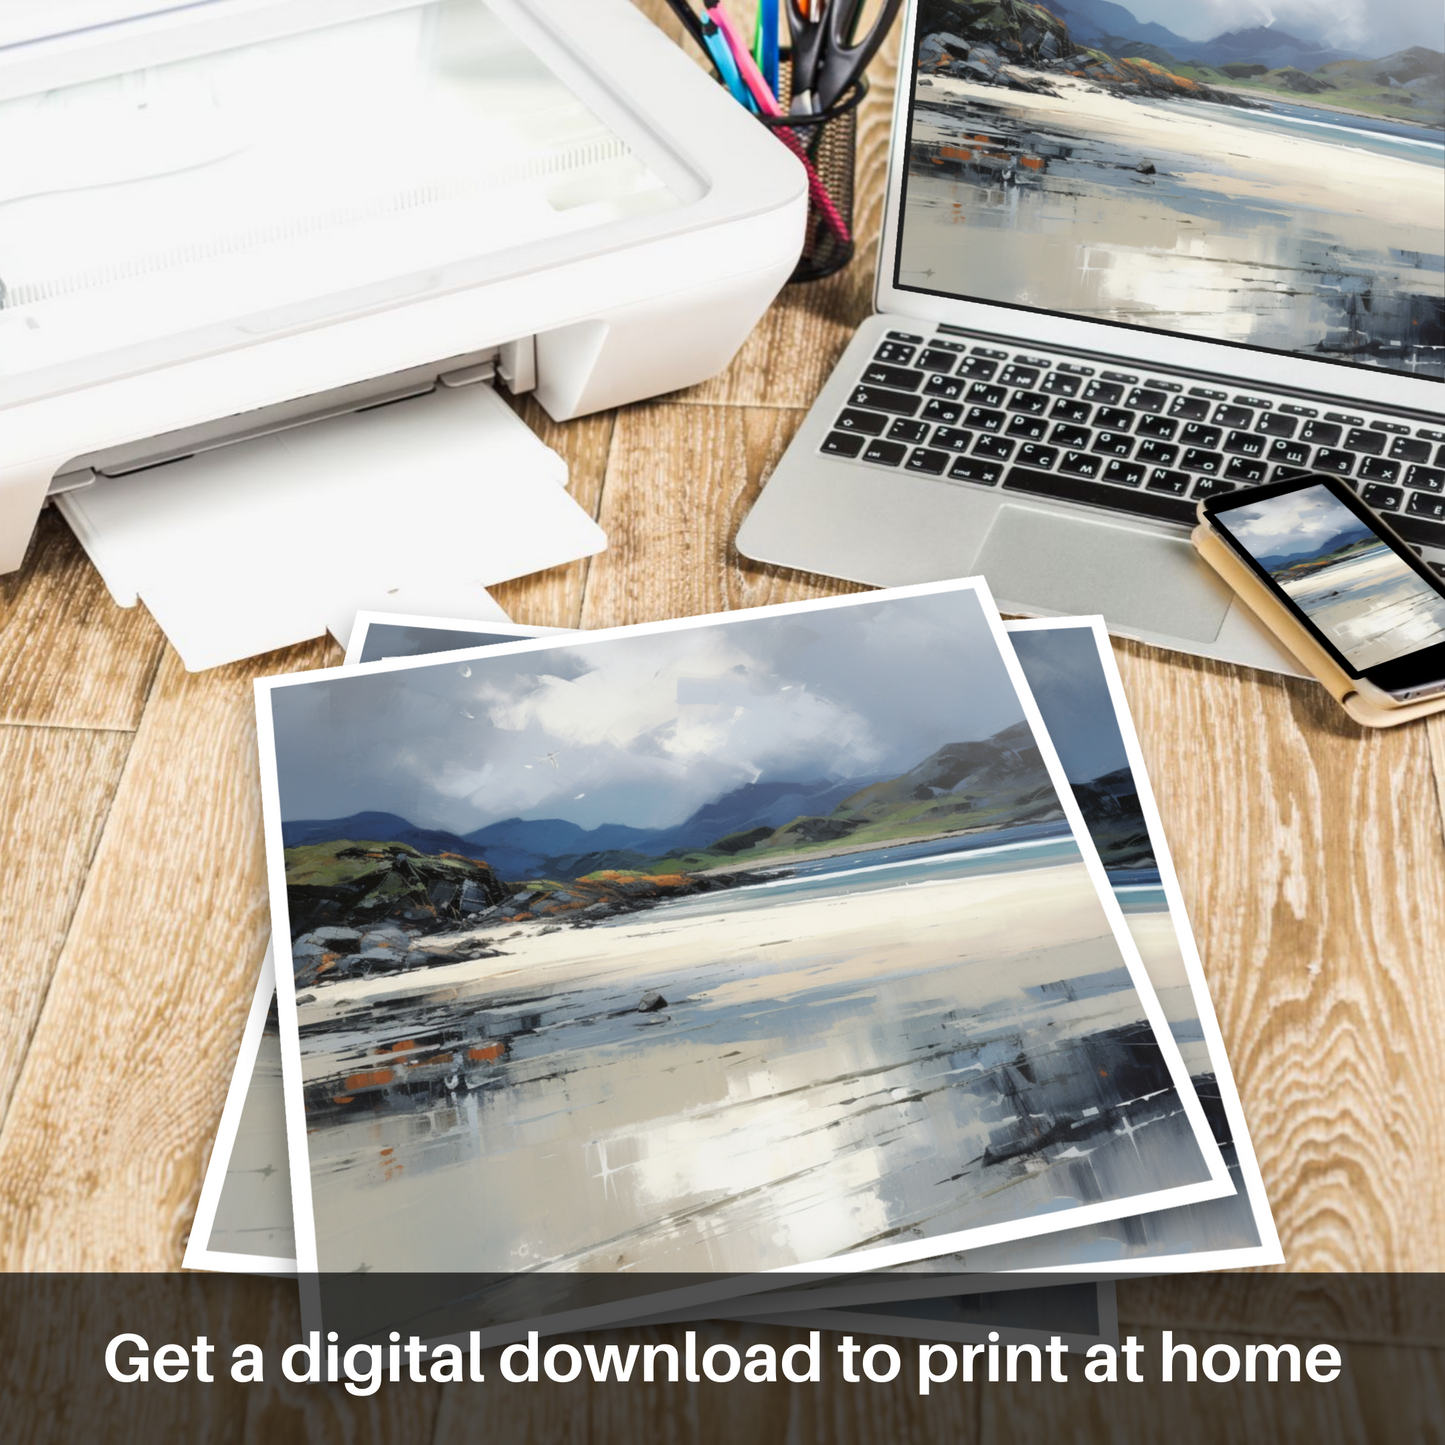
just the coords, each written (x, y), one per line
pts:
(768, 105)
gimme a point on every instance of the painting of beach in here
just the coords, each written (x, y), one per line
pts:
(1357, 590)
(1055, 166)
(737, 945)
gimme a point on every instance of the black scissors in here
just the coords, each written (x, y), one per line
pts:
(827, 55)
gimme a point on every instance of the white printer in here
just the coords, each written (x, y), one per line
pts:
(223, 220)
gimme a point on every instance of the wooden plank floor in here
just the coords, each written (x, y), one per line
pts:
(1311, 854)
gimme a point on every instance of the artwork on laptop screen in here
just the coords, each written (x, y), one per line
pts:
(788, 932)
(1177, 167)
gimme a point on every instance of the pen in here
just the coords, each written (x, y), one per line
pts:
(765, 42)
(768, 105)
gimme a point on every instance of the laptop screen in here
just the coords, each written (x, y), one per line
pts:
(1182, 169)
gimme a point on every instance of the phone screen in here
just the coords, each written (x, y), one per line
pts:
(1367, 600)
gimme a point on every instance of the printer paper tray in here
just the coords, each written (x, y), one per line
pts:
(417, 506)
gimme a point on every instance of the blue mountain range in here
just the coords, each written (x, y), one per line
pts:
(1355, 532)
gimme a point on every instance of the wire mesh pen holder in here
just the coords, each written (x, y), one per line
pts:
(826, 143)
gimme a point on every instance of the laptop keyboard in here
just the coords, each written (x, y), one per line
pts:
(1146, 445)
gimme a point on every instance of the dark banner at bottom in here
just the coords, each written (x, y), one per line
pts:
(1220, 1357)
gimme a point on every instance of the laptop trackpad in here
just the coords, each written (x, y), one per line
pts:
(1073, 565)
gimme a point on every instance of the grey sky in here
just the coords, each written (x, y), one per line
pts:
(1067, 680)
(1371, 28)
(1295, 522)
(645, 729)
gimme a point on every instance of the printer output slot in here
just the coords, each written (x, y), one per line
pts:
(514, 363)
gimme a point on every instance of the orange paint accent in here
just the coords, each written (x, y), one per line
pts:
(402, 1045)
(369, 1078)
(435, 1059)
(341, 1098)
(390, 1150)
(955, 153)
(1034, 163)
(486, 1053)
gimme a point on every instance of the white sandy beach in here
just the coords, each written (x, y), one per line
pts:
(1251, 161)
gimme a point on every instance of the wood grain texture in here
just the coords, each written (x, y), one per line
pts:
(102, 1150)
(56, 786)
(679, 483)
(1312, 862)
(69, 657)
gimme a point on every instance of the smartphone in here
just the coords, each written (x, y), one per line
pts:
(1340, 571)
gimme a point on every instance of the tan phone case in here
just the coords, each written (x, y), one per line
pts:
(1262, 602)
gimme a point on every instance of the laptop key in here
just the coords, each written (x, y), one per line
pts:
(1112, 444)
(886, 454)
(1081, 464)
(1113, 418)
(978, 368)
(867, 422)
(1212, 486)
(1381, 498)
(1321, 433)
(984, 395)
(1015, 375)
(953, 438)
(1245, 443)
(1418, 530)
(1142, 398)
(1196, 459)
(895, 353)
(1240, 469)
(995, 447)
(1425, 479)
(1070, 436)
(1075, 411)
(877, 374)
(1292, 454)
(1072, 488)
(1425, 504)
(1031, 455)
(933, 359)
(1189, 408)
(1107, 392)
(1404, 449)
(1124, 474)
(877, 398)
(1161, 427)
(944, 411)
(923, 459)
(1158, 454)
(1372, 443)
(971, 469)
(1195, 435)
(948, 387)
(843, 444)
(1033, 402)
(1161, 479)
(905, 336)
(906, 430)
(1376, 469)
(1272, 424)
(1329, 459)
(1236, 416)
(982, 419)
(1060, 383)
(1032, 427)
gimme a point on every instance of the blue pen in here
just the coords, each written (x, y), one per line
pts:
(727, 67)
(768, 59)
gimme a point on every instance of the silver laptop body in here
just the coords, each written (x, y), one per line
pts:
(1061, 453)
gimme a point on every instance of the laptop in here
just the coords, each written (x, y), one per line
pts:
(1109, 287)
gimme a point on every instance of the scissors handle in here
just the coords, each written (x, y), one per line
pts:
(842, 58)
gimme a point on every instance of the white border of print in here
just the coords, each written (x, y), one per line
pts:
(361, 628)
(199, 1254)
(1268, 1250)
(1218, 1183)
